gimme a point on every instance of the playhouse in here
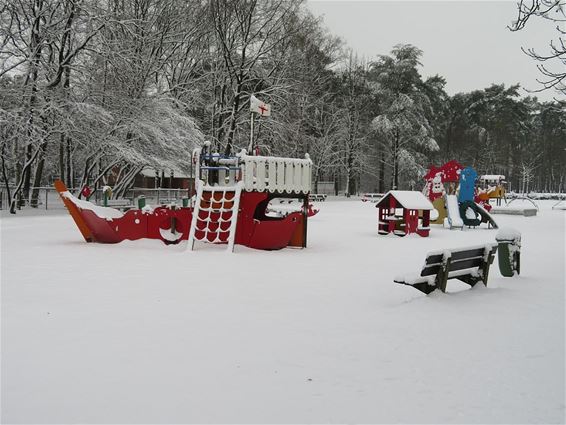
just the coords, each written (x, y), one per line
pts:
(403, 212)
(232, 196)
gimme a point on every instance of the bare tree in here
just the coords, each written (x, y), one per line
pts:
(250, 37)
(551, 64)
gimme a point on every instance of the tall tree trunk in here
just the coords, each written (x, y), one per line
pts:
(102, 173)
(63, 175)
(26, 176)
(68, 162)
(4, 173)
(396, 161)
(84, 178)
(233, 119)
(38, 175)
(31, 78)
(93, 161)
(62, 158)
(16, 195)
(382, 172)
(350, 175)
(127, 181)
(351, 181)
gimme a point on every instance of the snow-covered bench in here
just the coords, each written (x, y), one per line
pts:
(317, 197)
(470, 265)
(372, 197)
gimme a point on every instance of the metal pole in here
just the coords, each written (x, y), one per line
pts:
(46, 196)
(190, 174)
(251, 147)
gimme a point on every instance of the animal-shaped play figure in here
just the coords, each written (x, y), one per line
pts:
(468, 178)
(437, 193)
(467, 207)
(437, 181)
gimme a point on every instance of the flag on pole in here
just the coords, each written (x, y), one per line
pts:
(259, 107)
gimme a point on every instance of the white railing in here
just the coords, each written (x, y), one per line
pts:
(258, 173)
(276, 174)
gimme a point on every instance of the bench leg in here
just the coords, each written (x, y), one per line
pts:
(484, 268)
(470, 280)
(484, 273)
(442, 276)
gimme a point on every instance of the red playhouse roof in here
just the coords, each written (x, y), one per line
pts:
(450, 172)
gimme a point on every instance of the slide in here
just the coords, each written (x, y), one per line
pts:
(453, 212)
(486, 217)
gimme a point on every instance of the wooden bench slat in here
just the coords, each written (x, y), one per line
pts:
(466, 263)
(431, 270)
(456, 255)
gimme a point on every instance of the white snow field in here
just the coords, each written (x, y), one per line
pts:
(141, 332)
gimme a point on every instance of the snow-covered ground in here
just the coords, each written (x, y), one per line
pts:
(141, 332)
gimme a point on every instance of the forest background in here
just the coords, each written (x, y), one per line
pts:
(100, 87)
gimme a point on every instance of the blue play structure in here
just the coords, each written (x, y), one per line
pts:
(471, 213)
(468, 178)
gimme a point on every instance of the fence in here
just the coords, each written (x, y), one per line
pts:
(50, 199)
(326, 187)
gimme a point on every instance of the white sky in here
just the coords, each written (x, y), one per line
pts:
(467, 42)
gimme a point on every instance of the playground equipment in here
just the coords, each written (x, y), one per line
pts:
(492, 186)
(452, 190)
(441, 182)
(453, 212)
(403, 212)
(232, 195)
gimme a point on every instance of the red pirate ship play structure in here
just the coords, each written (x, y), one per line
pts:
(232, 195)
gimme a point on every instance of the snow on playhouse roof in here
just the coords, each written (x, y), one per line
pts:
(409, 199)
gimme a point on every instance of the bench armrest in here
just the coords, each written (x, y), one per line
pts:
(413, 279)
(425, 284)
